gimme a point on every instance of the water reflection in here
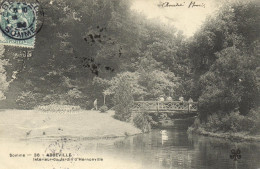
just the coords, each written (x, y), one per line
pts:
(160, 149)
(164, 136)
(181, 150)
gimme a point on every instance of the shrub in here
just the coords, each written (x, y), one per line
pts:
(27, 100)
(142, 121)
(103, 109)
(233, 122)
(255, 115)
(58, 108)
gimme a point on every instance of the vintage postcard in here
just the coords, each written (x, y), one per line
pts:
(129, 84)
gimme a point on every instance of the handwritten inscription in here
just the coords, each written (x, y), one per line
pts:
(191, 4)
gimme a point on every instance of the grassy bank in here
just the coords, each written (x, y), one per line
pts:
(29, 124)
(235, 136)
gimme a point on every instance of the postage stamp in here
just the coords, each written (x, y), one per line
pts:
(18, 23)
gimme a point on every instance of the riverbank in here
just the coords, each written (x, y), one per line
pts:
(239, 137)
(80, 124)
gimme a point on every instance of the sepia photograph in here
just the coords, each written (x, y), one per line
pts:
(129, 84)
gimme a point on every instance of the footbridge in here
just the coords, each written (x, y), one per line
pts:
(165, 106)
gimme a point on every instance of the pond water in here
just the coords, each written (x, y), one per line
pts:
(170, 148)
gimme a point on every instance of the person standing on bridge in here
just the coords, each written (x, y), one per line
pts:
(181, 99)
(169, 98)
(161, 99)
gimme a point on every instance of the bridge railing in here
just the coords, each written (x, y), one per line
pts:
(164, 106)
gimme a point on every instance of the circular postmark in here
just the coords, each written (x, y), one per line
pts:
(18, 19)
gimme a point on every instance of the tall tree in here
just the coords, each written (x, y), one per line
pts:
(224, 58)
(3, 78)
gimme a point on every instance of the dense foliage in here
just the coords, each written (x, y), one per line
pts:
(103, 50)
(225, 62)
(83, 40)
(142, 121)
(123, 100)
(103, 109)
(3, 79)
(225, 67)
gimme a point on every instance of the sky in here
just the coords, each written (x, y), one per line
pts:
(183, 18)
